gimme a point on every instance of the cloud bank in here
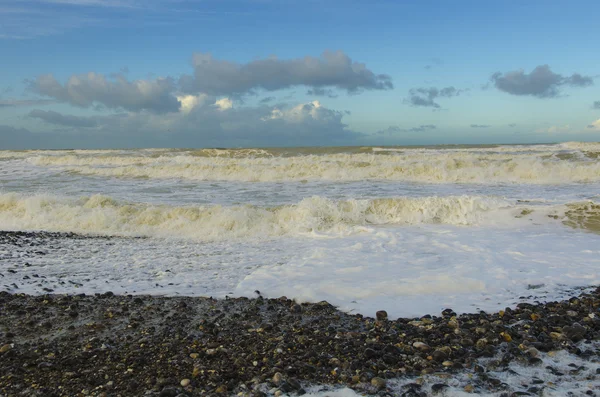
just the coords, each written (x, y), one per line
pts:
(333, 69)
(90, 89)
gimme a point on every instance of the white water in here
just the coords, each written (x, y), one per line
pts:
(408, 230)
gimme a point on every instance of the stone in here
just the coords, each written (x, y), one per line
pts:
(169, 392)
(5, 348)
(370, 353)
(381, 315)
(277, 378)
(185, 382)
(421, 346)
(379, 383)
(438, 388)
(575, 332)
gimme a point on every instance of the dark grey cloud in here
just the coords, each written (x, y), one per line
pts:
(596, 105)
(395, 129)
(91, 89)
(205, 125)
(64, 120)
(427, 97)
(333, 69)
(541, 82)
(480, 126)
(512, 125)
(321, 92)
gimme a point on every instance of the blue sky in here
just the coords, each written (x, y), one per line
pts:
(194, 73)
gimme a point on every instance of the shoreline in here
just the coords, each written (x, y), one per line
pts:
(124, 345)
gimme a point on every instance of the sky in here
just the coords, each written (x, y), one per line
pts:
(256, 73)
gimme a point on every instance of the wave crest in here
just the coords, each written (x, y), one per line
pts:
(106, 216)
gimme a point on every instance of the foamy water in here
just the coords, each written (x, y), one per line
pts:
(408, 230)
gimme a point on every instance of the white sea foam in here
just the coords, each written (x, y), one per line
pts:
(100, 214)
(414, 165)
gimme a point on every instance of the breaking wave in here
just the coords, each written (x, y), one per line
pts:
(412, 166)
(104, 215)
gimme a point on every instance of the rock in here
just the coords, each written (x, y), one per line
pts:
(169, 392)
(438, 388)
(439, 355)
(379, 383)
(575, 332)
(185, 382)
(506, 336)
(533, 352)
(370, 353)
(290, 385)
(447, 363)
(221, 389)
(381, 315)
(453, 323)
(5, 348)
(535, 361)
(481, 343)
(277, 378)
(296, 309)
(421, 346)
(194, 355)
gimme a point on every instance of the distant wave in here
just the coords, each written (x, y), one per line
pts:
(416, 165)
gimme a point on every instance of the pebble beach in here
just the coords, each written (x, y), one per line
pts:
(110, 345)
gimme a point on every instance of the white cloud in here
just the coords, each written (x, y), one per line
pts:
(595, 125)
(300, 113)
(224, 104)
(190, 102)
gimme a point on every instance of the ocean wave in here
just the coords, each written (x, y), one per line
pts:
(104, 215)
(438, 167)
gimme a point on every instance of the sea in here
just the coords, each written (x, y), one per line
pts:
(410, 230)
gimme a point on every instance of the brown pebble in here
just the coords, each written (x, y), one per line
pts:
(381, 315)
(379, 383)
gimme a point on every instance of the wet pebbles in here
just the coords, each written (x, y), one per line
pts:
(109, 345)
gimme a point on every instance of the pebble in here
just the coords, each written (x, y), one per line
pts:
(421, 346)
(381, 315)
(438, 388)
(185, 382)
(379, 383)
(277, 378)
(5, 348)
